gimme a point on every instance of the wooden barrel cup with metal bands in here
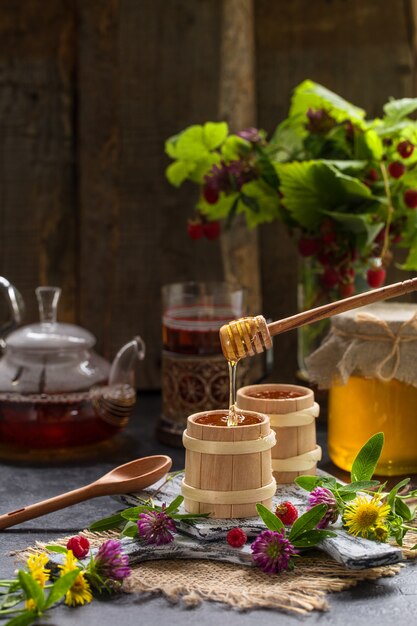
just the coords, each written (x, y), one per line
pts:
(228, 469)
(294, 421)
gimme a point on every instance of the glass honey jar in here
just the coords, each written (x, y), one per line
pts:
(368, 362)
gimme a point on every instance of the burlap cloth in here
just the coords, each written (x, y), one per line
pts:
(376, 341)
(242, 587)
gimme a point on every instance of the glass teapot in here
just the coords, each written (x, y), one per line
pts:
(55, 391)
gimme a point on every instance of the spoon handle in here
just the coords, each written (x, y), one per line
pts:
(47, 506)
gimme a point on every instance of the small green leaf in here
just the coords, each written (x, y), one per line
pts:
(214, 134)
(26, 618)
(312, 538)
(270, 520)
(107, 522)
(367, 458)
(170, 146)
(308, 521)
(395, 490)
(403, 510)
(175, 505)
(60, 587)
(178, 171)
(234, 147)
(134, 512)
(31, 589)
(397, 109)
(130, 530)
(308, 482)
(55, 548)
(190, 145)
(359, 486)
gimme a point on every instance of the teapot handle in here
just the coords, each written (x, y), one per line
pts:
(16, 306)
(122, 369)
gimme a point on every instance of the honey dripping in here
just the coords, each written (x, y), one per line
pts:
(232, 416)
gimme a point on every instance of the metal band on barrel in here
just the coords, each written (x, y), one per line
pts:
(229, 447)
(298, 418)
(300, 463)
(247, 496)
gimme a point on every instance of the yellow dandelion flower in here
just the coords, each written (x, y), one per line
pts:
(381, 532)
(36, 564)
(80, 592)
(362, 515)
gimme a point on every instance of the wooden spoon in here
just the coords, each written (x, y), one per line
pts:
(250, 335)
(127, 478)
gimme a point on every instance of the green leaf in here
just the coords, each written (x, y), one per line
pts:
(175, 505)
(26, 618)
(31, 589)
(359, 224)
(171, 146)
(214, 134)
(308, 482)
(130, 530)
(270, 520)
(411, 260)
(203, 167)
(221, 209)
(312, 538)
(107, 522)
(178, 171)
(259, 202)
(190, 145)
(359, 486)
(234, 147)
(55, 548)
(366, 461)
(134, 512)
(403, 510)
(60, 587)
(397, 109)
(395, 490)
(313, 95)
(368, 145)
(308, 521)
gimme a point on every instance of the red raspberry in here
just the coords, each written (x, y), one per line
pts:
(210, 193)
(195, 230)
(211, 229)
(396, 169)
(376, 277)
(373, 175)
(308, 246)
(346, 289)
(330, 278)
(410, 198)
(236, 538)
(287, 513)
(79, 545)
(329, 237)
(405, 149)
(323, 258)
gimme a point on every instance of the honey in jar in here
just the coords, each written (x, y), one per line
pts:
(368, 362)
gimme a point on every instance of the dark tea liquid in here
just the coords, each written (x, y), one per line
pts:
(58, 421)
(220, 419)
(275, 394)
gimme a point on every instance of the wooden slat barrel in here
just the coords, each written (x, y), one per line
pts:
(228, 469)
(294, 421)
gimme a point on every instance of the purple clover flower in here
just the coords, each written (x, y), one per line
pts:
(272, 552)
(110, 561)
(321, 495)
(156, 527)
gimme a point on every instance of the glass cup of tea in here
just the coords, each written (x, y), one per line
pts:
(195, 374)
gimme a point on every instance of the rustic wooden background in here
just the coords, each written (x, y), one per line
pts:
(90, 89)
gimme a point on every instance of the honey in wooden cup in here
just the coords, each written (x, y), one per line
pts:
(292, 413)
(228, 469)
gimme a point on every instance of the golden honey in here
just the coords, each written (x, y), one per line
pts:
(365, 406)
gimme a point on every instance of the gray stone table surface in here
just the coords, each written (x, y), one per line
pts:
(384, 602)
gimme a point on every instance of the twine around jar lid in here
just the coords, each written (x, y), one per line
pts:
(376, 341)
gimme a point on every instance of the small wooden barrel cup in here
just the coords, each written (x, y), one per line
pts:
(228, 470)
(294, 421)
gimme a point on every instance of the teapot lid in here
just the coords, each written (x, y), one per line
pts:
(50, 335)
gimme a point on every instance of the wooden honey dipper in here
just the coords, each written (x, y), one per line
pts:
(251, 335)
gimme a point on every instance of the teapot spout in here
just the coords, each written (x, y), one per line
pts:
(122, 370)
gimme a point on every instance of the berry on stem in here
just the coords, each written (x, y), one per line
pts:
(308, 246)
(195, 229)
(410, 198)
(79, 545)
(330, 278)
(405, 149)
(211, 230)
(287, 513)
(396, 169)
(346, 289)
(376, 277)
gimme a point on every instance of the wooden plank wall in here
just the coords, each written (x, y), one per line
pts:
(89, 90)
